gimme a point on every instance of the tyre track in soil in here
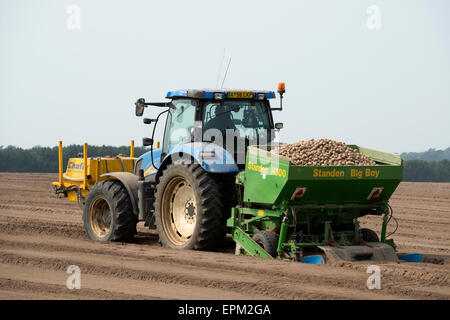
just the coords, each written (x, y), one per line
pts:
(164, 261)
(54, 245)
(23, 289)
(166, 270)
(41, 235)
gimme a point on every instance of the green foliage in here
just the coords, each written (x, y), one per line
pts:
(45, 159)
(426, 171)
(429, 155)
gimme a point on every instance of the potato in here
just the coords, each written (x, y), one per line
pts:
(323, 152)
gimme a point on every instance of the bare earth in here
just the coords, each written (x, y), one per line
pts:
(42, 235)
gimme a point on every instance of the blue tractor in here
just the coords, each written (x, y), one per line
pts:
(185, 187)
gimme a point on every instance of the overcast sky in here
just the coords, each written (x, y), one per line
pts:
(382, 83)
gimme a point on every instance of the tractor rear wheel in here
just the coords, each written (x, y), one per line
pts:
(369, 235)
(268, 241)
(107, 214)
(188, 208)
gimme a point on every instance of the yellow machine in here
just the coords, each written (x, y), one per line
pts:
(82, 173)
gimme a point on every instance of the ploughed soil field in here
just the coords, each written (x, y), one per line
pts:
(41, 235)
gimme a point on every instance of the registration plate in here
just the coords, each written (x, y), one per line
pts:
(240, 94)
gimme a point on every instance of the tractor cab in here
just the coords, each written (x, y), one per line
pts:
(211, 120)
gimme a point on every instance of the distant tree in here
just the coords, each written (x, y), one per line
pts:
(45, 159)
(429, 155)
(426, 171)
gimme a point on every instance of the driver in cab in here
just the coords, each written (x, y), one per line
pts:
(222, 119)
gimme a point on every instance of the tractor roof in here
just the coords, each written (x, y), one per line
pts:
(227, 93)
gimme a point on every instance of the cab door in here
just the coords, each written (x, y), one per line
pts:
(180, 123)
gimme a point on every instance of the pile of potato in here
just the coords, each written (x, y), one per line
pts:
(323, 152)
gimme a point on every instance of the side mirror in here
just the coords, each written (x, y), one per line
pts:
(140, 105)
(147, 142)
(279, 125)
(148, 120)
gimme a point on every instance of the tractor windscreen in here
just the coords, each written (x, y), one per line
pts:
(247, 118)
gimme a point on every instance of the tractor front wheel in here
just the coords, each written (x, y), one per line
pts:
(107, 214)
(188, 208)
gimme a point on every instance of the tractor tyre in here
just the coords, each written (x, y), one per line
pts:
(369, 235)
(107, 213)
(268, 241)
(188, 208)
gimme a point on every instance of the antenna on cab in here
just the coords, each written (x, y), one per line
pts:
(220, 68)
(226, 72)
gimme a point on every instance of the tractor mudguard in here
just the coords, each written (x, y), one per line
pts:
(130, 181)
(145, 162)
(222, 162)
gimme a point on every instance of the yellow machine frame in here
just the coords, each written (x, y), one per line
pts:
(82, 173)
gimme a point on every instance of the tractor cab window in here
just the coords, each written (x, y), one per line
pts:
(179, 123)
(249, 118)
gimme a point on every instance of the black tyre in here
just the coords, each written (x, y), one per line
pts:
(369, 235)
(107, 214)
(188, 208)
(268, 241)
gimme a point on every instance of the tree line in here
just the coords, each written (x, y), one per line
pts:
(429, 155)
(45, 159)
(426, 171)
